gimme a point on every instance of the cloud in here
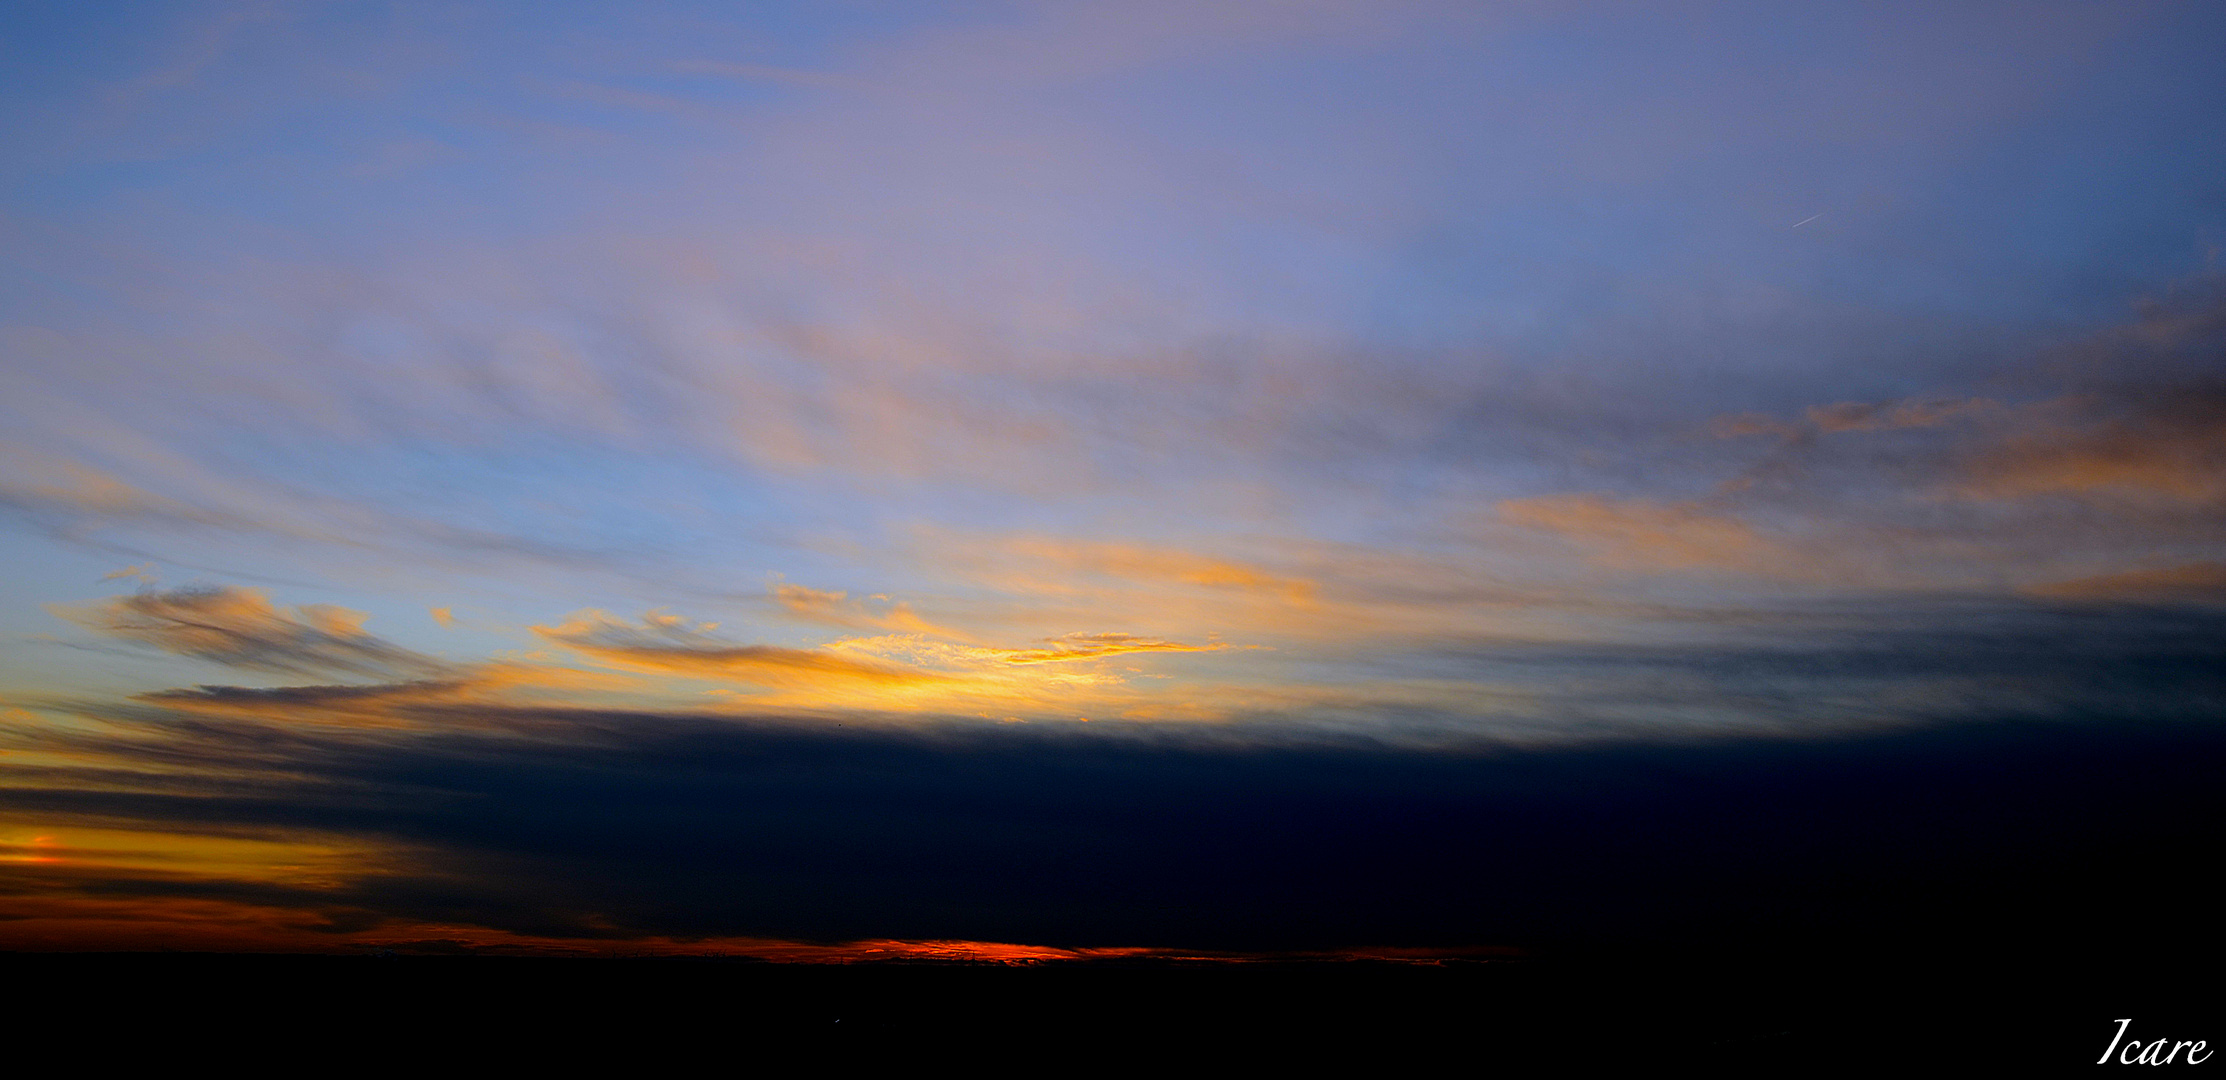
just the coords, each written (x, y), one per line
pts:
(1851, 416)
(968, 657)
(1643, 534)
(802, 600)
(1092, 646)
(668, 644)
(199, 515)
(2201, 582)
(1887, 416)
(1049, 564)
(242, 628)
(901, 675)
(381, 705)
(910, 677)
(835, 609)
(75, 490)
(2166, 443)
(265, 856)
(445, 703)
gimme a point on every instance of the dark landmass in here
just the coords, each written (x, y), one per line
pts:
(1802, 1014)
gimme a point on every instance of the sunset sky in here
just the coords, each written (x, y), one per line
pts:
(806, 478)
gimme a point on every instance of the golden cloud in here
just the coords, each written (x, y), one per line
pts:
(836, 609)
(666, 644)
(1093, 646)
(1045, 564)
(414, 703)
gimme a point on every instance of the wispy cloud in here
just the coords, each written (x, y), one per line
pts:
(1644, 534)
(1052, 564)
(672, 645)
(241, 628)
(2168, 443)
(837, 609)
(1857, 416)
(447, 702)
(1093, 646)
(2203, 582)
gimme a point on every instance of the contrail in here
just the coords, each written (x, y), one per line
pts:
(1806, 220)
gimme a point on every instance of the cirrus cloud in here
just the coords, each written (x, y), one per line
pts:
(241, 628)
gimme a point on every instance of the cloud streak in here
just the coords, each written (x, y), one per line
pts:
(1094, 646)
(668, 644)
(1642, 534)
(241, 628)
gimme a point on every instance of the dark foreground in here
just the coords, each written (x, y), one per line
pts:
(1800, 1015)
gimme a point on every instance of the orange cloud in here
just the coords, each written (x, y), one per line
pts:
(382, 705)
(1642, 534)
(800, 600)
(1058, 563)
(668, 645)
(242, 628)
(69, 921)
(1093, 646)
(397, 704)
(835, 609)
(1850, 416)
(150, 854)
(88, 490)
(2202, 581)
(2139, 457)
(1888, 415)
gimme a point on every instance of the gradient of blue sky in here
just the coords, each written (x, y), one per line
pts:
(415, 308)
(1430, 372)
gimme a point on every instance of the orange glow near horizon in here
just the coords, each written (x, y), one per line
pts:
(51, 916)
(146, 854)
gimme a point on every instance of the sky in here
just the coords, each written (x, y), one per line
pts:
(844, 479)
